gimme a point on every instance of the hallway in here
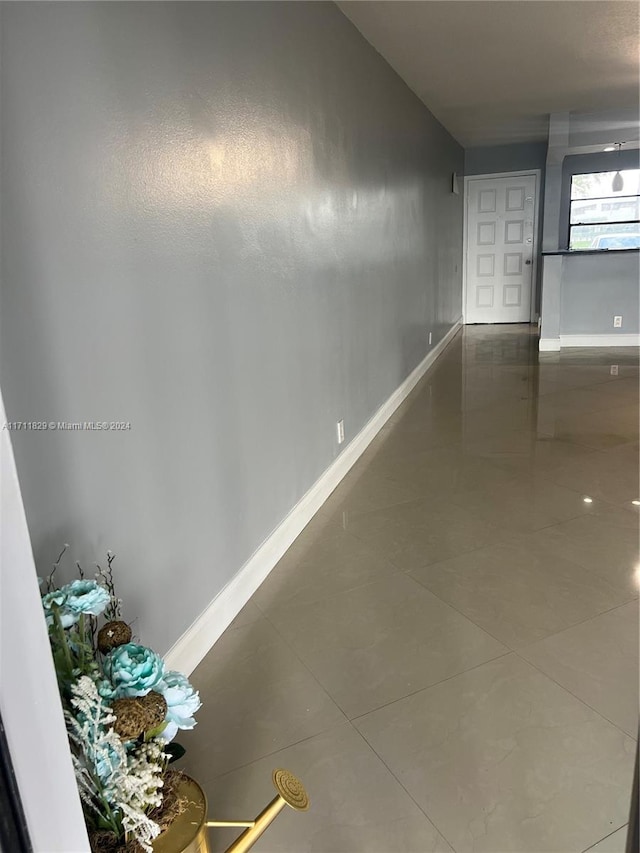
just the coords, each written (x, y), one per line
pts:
(447, 655)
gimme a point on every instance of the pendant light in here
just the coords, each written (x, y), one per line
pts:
(618, 183)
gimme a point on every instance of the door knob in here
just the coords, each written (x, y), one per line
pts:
(527, 262)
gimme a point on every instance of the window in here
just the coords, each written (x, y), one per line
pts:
(601, 218)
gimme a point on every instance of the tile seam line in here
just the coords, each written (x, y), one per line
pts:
(596, 385)
(510, 535)
(588, 411)
(604, 838)
(607, 501)
(453, 607)
(400, 698)
(546, 526)
(309, 671)
(507, 541)
(462, 553)
(408, 793)
(429, 686)
(364, 512)
(305, 665)
(582, 701)
(292, 604)
(584, 446)
(280, 749)
(409, 572)
(497, 639)
(576, 624)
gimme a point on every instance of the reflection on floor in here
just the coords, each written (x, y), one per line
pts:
(447, 656)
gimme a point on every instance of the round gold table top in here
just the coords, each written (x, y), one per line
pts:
(187, 833)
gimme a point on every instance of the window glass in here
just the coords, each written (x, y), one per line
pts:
(601, 218)
(610, 209)
(605, 237)
(598, 184)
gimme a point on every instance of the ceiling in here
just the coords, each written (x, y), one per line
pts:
(492, 70)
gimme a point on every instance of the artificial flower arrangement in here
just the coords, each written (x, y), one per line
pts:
(122, 709)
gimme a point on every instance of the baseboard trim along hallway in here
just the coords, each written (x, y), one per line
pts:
(564, 341)
(202, 634)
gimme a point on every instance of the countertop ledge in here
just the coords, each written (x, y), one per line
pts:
(590, 251)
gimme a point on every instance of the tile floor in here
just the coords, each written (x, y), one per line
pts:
(448, 654)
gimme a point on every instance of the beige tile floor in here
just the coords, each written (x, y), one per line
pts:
(448, 654)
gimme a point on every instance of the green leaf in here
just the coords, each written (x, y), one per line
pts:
(175, 751)
(151, 733)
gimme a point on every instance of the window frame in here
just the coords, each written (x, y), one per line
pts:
(571, 225)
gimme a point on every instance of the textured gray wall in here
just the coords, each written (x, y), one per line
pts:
(487, 159)
(230, 224)
(595, 288)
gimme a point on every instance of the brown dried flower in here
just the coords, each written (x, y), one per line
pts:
(131, 717)
(138, 714)
(112, 635)
(155, 707)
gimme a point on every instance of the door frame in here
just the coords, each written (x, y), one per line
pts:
(30, 706)
(537, 173)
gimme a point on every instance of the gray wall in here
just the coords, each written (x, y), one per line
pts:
(595, 288)
(230, 224)
(584, 291)
(485, 160)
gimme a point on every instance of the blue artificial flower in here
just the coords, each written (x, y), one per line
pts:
(55, 597)
(107, 760)
(105, 690)
(58, 598)
(133, 670)
(182, 703)
(84, 596)
(80, 596)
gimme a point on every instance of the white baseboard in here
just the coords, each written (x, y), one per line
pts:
(619, 340)
(198, 639)
(564, 341)
(549, 345)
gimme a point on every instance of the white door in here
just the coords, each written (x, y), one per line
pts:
(501, 231)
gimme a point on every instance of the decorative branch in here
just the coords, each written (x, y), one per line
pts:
(50, 584)
(113, 611)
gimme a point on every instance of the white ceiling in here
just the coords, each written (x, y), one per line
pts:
(492, 70)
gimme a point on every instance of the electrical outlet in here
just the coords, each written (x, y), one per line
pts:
(614, 369)
(617, 322)
(430, 337)
(340, 431)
